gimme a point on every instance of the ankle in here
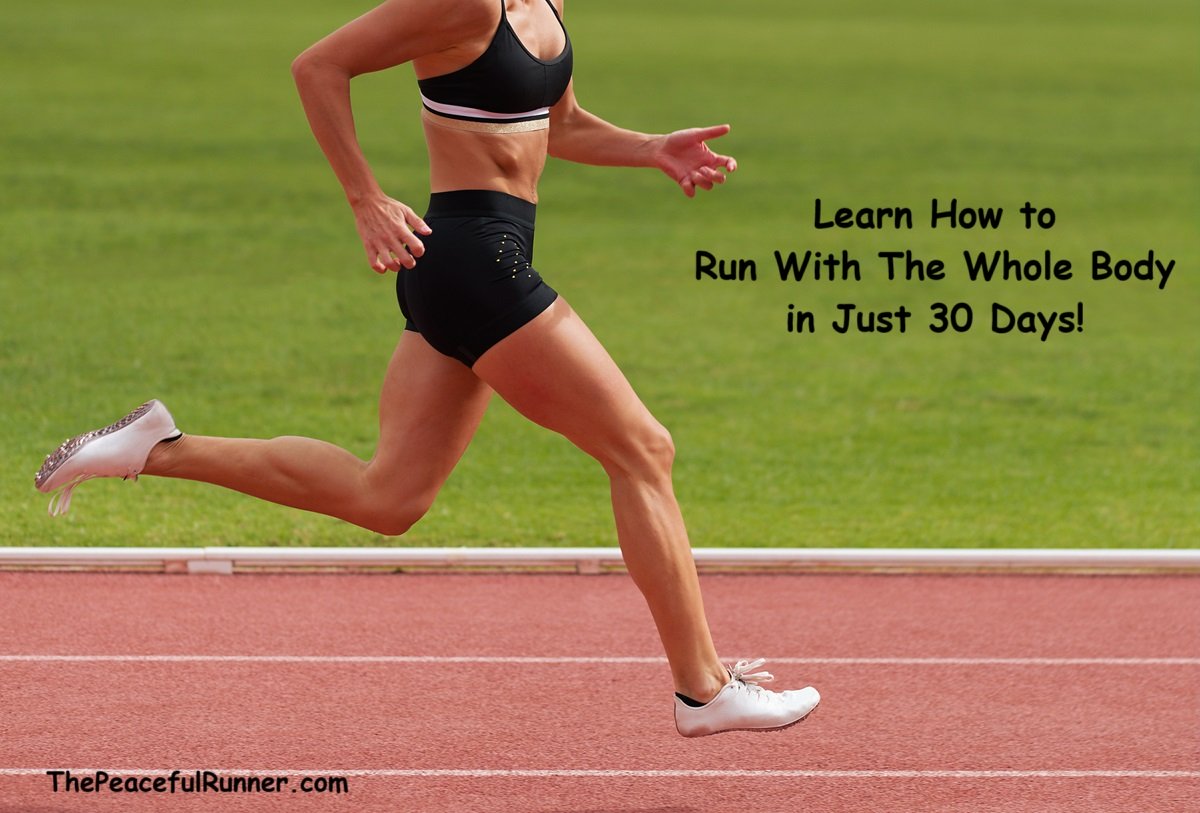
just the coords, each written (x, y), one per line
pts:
(159, 461)
(704, 687)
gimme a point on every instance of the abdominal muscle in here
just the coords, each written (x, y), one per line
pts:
(502, 162)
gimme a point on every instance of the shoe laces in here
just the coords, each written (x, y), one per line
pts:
(60, 503)
(745, 679)
(742, 672)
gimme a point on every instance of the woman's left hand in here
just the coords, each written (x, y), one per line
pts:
(688, 161)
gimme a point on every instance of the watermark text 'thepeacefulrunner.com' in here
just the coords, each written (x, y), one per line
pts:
(197, 781)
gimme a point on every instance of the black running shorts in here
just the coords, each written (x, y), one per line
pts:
(475, 283)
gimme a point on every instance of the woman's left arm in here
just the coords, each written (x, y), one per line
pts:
(577, 135)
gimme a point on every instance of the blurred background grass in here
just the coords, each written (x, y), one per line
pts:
(169, 229)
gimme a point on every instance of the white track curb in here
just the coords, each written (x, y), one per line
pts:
(589, 560)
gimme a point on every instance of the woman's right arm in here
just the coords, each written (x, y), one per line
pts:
(391, 34)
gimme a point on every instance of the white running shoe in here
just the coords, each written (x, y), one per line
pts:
(743, 705)
(117, 450)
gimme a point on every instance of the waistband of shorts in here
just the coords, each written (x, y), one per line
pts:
(481, 203)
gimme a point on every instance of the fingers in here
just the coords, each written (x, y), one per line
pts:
(419, 225)
(702, 178)
(387, 256)
(713, 175)
(729, 163)
(382, 260)
(705, 133)
(389, 233)
(707, 167)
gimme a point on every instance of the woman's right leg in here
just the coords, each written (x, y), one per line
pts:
(429, 410)
(555, 372)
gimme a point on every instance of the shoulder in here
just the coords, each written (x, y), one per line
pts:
(399, 31)
(468, 14)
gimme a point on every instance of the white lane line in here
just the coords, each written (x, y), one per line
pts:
(471, 773)
(485, 659)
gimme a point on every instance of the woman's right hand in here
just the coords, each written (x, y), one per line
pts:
(395, 32)
(389, 230)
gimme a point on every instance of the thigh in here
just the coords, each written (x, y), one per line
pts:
(556, 373)
(429, 410)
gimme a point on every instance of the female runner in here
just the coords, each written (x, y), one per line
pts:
(495, 81)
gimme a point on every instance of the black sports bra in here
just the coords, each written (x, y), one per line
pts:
(507, 89)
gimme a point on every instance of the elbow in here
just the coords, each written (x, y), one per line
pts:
(310, 64)
(303, 66)
(560, 134)
(559, 147)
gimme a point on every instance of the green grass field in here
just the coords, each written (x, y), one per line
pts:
(169, 229)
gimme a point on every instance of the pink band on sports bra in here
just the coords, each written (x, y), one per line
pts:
(454, 110)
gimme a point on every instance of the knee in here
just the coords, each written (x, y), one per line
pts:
(393, 517)
(647, 451)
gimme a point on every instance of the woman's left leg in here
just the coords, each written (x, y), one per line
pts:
(429, 409)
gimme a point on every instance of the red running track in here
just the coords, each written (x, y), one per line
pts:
(940, 693)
